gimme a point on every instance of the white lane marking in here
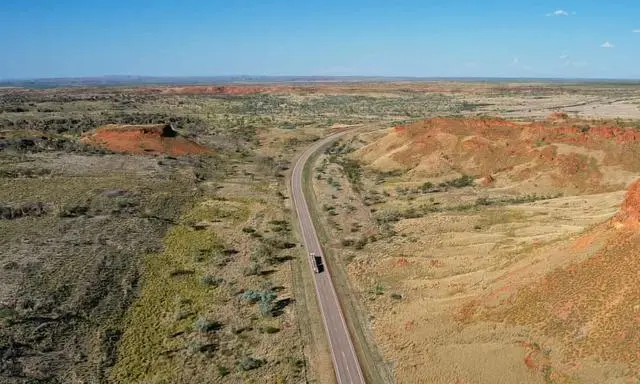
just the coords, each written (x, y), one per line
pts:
(346, 365)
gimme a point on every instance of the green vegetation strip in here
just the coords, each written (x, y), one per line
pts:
(389, 216)
(171, 291)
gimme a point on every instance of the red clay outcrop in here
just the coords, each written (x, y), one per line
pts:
(143, 140)
(629, 214)
(571, 154)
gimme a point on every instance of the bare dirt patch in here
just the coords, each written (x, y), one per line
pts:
(143, 139)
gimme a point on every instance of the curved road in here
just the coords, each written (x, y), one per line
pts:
(345, 361)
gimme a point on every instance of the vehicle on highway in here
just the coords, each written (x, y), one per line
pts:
(318, 266)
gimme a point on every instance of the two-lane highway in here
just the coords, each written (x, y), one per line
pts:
(345, 361)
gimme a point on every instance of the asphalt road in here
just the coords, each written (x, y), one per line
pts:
(345, 360)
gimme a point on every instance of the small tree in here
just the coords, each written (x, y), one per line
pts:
(212, 281)
(266, 304)
(248, 363)
(252, 270)
(251, 296)
(204, 325)
(265, 300)
(427, 186)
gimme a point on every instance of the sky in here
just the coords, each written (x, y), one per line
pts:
(424, 38)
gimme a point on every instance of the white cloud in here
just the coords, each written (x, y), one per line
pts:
(636, 30)
(560, 12)
(568, 61)
(521, 64)
(607, 44)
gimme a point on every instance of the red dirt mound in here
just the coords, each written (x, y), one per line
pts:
(143, 140)
(630, 210)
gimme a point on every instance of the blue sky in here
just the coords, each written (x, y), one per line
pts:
(66, 38)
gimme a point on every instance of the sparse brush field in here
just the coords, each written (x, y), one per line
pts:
(215, 303)
(162, 249)
(128, 268)
(125, 267)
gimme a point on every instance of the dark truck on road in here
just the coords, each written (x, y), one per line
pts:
(318, 266)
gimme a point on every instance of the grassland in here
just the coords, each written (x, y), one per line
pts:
(126, 268)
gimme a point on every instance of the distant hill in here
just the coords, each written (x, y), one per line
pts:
(118, 80)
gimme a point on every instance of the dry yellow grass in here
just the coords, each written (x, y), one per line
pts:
(466, 284)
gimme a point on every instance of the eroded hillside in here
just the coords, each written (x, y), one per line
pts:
(485, 242)
(556, 155)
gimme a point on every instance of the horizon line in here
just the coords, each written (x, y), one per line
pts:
(226, 79)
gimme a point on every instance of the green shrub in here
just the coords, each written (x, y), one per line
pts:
(265, 300)
(181, 272)
(252, 270)
(223, 371)
(287, 125)
(484, 201)
(266, 304)
(204, 348)
(347, 242)
(353, 172)
(212, 281)
(361, 242)
(296, 363)
(252, 296)
(378, 290)
(427, 186)
(460, 182)
(248, 230)
(249, 363)
(388, 217)
(204, 325)
(182, 314)
(72, 210)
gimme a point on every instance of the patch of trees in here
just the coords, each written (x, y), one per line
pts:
(78, 125)
(47, 144)
(10, 212)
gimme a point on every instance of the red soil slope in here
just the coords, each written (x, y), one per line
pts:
(233, 90)
(592, 307)
(566, 153)
(629, 215)
(143, 140)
